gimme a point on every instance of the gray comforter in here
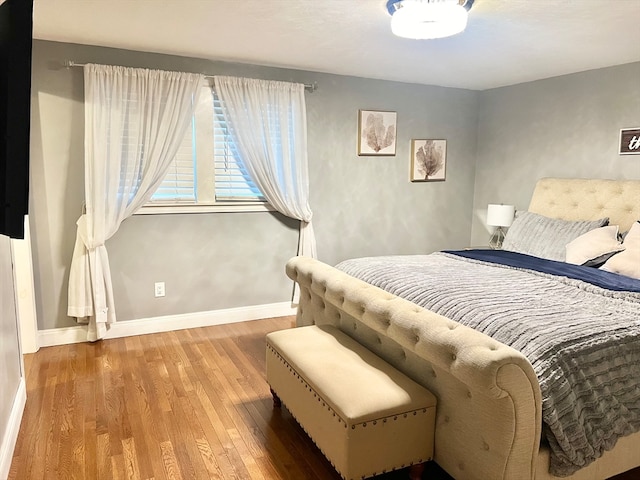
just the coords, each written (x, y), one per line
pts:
(583, 341)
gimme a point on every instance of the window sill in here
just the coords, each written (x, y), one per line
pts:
(173, 209)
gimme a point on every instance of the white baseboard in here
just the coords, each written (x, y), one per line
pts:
(13, 427)
(128, 328)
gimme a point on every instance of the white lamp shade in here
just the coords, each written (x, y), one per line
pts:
(428, 19)
(500, 215)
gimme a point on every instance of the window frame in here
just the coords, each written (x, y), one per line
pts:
(205, 174)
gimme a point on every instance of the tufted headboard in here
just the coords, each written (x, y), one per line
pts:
(588, 199)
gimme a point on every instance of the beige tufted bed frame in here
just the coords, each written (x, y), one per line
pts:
(488, 424)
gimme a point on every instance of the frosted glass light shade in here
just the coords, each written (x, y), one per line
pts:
(500, 215)
(428, 19)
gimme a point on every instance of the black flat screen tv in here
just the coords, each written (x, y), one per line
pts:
(16, 36)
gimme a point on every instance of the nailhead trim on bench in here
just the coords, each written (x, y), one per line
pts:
(340, 420)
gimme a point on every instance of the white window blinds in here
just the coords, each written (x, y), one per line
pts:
(232, 180)
(180, 183)
(207, 169)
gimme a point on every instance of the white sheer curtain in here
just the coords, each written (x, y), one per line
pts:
(268, 121)
(135, 120)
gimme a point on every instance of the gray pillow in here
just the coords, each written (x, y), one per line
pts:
(545, 237)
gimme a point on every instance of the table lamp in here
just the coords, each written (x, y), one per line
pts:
(499, 216)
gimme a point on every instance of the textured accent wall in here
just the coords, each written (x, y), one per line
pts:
(362, 205)
(564, 126)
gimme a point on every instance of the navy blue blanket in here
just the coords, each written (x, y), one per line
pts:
(594, 276)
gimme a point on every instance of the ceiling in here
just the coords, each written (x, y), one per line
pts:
(506, 41)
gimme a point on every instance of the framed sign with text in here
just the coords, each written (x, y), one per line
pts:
(630, 141)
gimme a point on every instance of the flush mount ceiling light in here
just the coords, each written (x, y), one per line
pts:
(428, 19)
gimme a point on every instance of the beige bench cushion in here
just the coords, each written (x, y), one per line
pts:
(355, 382)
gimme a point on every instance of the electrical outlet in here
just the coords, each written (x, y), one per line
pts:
(159, 289)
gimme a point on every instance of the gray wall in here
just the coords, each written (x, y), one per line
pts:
(565, 126)
(10, 363)
(362, 205)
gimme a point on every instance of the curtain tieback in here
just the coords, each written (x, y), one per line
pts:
(83, 234)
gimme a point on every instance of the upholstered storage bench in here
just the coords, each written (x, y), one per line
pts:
(363, 414)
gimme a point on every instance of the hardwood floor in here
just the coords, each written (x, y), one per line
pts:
(190, 404)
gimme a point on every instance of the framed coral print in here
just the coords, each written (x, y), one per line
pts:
(428, 160)
(376, 133)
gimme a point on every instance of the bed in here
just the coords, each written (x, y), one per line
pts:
(490, 398)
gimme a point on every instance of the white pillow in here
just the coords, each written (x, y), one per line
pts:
(627, 262)
(594, 248)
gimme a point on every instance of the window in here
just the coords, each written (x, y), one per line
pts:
(207, 174)
(232, 181)
(179, 185)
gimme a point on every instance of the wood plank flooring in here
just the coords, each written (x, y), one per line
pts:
(190, 404)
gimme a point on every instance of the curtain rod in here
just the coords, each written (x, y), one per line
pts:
(310, 87)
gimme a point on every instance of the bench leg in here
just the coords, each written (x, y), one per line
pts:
(277, 403)
(415, 471)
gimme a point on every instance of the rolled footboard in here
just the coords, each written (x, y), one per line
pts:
(488, 419)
